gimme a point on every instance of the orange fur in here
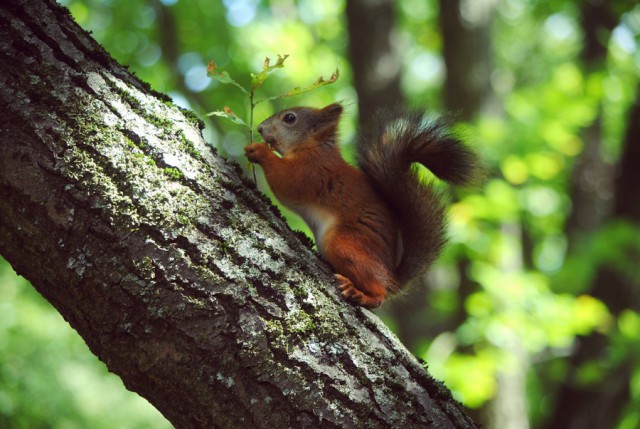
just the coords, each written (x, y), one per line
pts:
(354, 229)
(357, 226)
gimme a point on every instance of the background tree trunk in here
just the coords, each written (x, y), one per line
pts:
(374, 56)
(466, 28)
(591, 179)
(372, 47)
(579, 404)
(177, 275)
(467, 52)
(468, 56)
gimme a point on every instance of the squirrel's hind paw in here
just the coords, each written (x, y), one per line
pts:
(356, 296)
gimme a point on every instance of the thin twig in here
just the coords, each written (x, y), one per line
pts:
(251, 106)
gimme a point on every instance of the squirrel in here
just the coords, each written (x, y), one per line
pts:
(378, 226)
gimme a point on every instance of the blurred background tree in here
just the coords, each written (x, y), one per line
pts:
(532, 315)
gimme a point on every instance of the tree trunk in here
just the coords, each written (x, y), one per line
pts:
(373, 56)
(581, 404)
(376, 74)
(176, 274)
(466, 27)
(467, 52)
(591, 180)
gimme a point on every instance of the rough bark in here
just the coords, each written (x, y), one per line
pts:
(176, 274)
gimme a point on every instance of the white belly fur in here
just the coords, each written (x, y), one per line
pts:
(320, 221)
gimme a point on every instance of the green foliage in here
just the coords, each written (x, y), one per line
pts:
(258, 80)
(514, 281)
(48, 376)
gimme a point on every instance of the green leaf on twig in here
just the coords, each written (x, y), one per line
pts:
(229, 114)
(321, 81)
(258, 79)
(315, 85)
(222, 76)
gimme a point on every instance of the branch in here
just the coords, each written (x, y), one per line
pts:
(176, 274)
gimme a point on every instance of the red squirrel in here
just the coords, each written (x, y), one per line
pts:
(379, 226)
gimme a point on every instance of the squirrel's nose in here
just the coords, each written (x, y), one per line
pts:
(260, 128)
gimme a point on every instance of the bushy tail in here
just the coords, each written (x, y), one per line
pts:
(387, 155)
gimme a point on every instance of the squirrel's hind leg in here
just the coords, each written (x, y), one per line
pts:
(363, 280)
(353, 294)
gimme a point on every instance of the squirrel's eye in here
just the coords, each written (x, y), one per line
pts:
(289, 118)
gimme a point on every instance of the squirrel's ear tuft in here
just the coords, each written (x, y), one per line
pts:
(332, 111)
(325, 122)
(328, 116)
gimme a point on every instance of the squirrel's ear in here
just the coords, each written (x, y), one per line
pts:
(328, 116)
(332, 112)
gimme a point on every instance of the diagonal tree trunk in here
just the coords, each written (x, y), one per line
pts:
(177, 275)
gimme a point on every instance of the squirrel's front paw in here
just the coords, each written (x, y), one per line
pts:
(256, 151)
